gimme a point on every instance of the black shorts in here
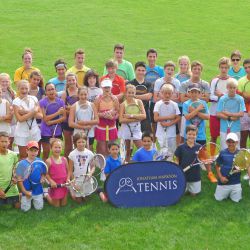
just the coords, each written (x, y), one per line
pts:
(46, 139)
(91, 140)
(9, 200)
(65, 126)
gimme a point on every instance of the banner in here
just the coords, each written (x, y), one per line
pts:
(146, 184)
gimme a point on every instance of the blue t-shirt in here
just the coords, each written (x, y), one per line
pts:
(32, 182)
(201, 135)
(144, 155)
(225, 161)
(59, 85)
(112, 164)
(235, 126)
(236, 75)
(187, 156)
(182, 77)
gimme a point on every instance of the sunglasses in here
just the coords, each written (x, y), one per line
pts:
(235, 60)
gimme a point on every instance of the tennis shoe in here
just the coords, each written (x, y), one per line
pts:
(211, 177)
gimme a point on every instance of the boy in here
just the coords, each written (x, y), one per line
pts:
(216, 92)
(29, 190)
(7, 160)
(143, 92)
(185, 154)
(125, 68)
(166, 124)
(118, 83)
(79, 68)
(230, 120)
(113, 161)
(236, 71)
(228, 186)
(197, 116)
(146, 152)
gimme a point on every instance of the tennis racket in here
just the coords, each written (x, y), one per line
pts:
(241, 161)
(141, 89)
(221, 85)
(207, 154)
(246, 89)
(231, 105)
(70, 100)
(50, 109)
(122, 150)
(122, 73)
(12, 179)
(196, 120)
(60, 86)
(96, 166)
(151, 76)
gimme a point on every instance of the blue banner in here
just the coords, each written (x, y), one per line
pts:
(146, 184)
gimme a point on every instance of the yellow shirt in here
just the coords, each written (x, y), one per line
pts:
(23, 74)
(79, 72)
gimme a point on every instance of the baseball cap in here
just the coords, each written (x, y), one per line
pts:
(106, 83)
(32, 144)
(194, 87)
(232, 136)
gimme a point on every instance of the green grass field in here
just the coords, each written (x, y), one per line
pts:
(204, 30)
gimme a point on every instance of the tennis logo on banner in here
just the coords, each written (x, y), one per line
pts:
(146, 184)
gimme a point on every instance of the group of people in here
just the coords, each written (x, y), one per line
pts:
(146, 106)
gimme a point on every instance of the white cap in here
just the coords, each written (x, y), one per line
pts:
(232, 136)
(106, 83)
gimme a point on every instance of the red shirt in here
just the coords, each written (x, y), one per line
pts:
(118, 84)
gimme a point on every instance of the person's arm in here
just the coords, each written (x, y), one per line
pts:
(70, 169)
(8, 116)
(50, 180)
(67, 168)
(28, 194)
(220, 176)
(144, 97)
(194, 112)
(26, 116)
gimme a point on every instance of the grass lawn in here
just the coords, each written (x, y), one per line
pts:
(204, 30)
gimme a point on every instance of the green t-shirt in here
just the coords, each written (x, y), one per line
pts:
(6, 165)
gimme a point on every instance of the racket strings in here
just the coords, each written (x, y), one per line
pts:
(208, 153)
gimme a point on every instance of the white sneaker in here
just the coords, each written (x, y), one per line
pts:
(246, 177)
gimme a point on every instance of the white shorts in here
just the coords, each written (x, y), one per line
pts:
(193, 187)
(245, 122)
(170, 144)
(183, 126)
(23, 141)
(223, 144)
(124, 132)
(234, 192)
(37, 202)
(13, 127)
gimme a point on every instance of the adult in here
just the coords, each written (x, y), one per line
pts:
(236, 71)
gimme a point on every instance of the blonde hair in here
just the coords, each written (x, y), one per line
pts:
(224, 60)
(232, 82)
(9, 88)
(167, 88)
(130, 86)
(22, 82)
(186, 58)
(52, 141)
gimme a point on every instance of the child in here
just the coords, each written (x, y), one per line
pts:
(91, 81)
(184, 73)
(146, 152)
(236, 71)
(185, 154)
(84, 125)
(78, 162)
(218, 87)
(166, 124)
(113, 161)
(29, 190)
(118, 83)
(131, 123)
(36, 85)
(57, 174)
(228, 186)
(226, 116)
(201, 114)
(7, 160)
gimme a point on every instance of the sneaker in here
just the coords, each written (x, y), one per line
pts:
(246, 177)
(211, 177)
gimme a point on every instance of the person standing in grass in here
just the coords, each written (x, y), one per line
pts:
(236, 71)
(79, 68)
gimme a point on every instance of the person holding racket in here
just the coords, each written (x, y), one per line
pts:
(218, 88)
(24, 71)
(118, 82)
(26, 175)
(228, 186)
(107, 106)
(131, 114)
(79, 68)
(57, 174)
(91, 81)
(196, 112)
(59, 81)
(236, 71)
(83, 117)
(26, 110)
(8, 160)
(53, 110)
(230, 109)
(79, 163)
(69, 96)
(167, 115)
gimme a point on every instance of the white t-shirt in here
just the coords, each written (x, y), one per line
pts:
(171, 130)
(4, 126)
(159, 82)
(22, 128)
(80, 161)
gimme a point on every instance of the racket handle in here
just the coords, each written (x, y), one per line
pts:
(107, 133)
(7, 189)
(190, 166)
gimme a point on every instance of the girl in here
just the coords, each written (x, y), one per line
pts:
(70, 96)
(24, 72)
(84, 125)
(107, 107)
(36, 85)
(184, 73)
(91, 80)
(8, 94)
(78, 162)
(57, 174)
(26, 114)
(131, 123)
(53, 116)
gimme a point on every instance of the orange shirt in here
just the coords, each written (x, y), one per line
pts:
(118, 84)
